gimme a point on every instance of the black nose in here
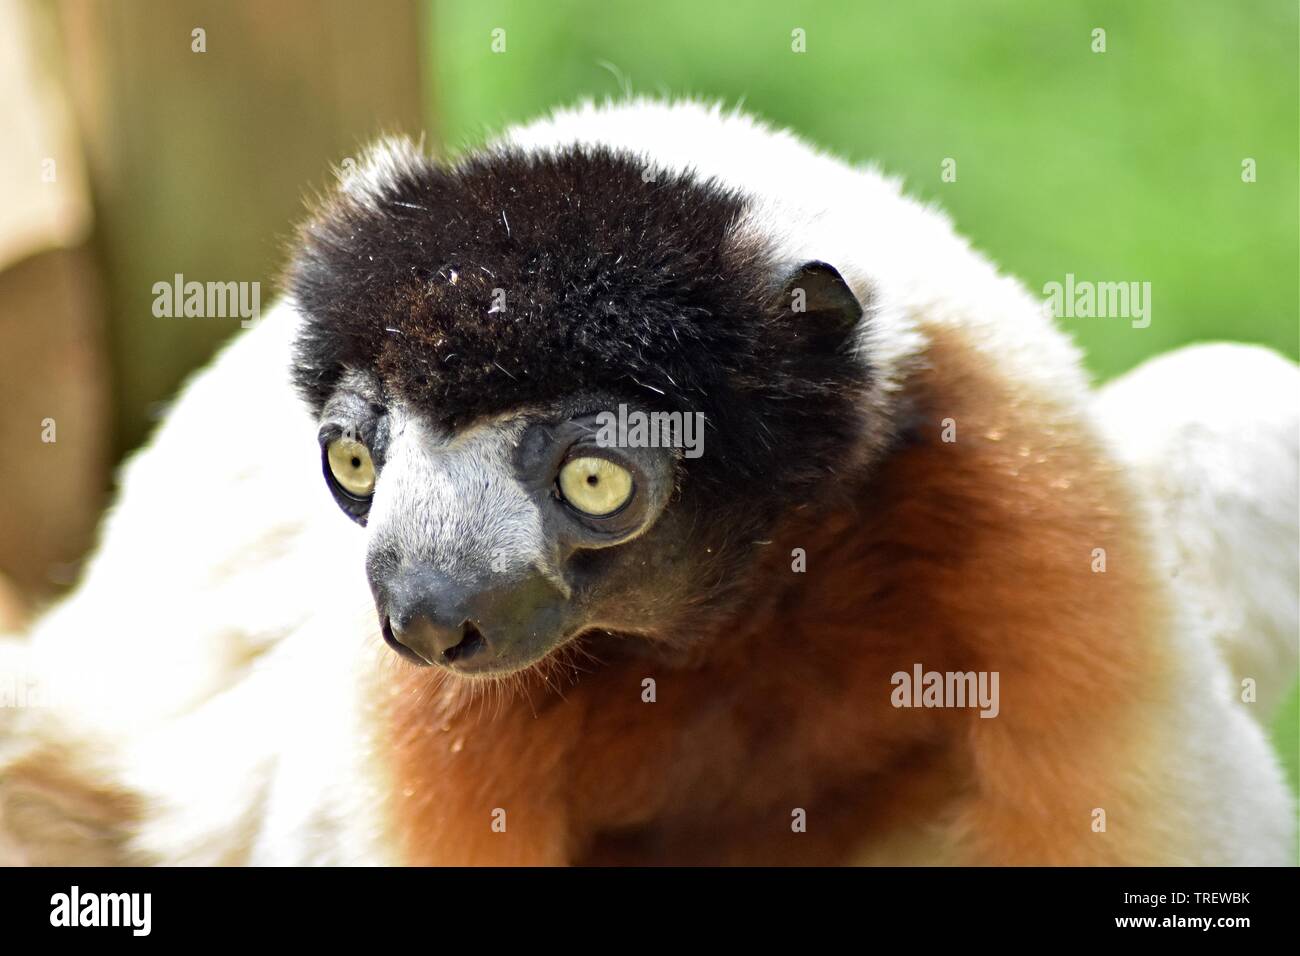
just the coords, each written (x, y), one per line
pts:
(434, 643)
(487, 623)
(429, 621)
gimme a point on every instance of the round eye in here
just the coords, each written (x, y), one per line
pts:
(595, 486)
(351, 467)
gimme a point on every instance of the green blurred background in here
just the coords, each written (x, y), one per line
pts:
(1116, 165)
(1122, 165)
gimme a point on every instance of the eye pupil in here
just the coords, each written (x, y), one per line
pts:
(351, 467)
(595, 486)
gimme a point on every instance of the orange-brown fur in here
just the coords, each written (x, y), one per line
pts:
(972, 555)
(51, 815)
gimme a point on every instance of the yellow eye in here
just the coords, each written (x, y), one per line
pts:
(351, 466)
(595, 486)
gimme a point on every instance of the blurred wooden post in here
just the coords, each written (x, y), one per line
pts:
(53, 385)
(203, 145)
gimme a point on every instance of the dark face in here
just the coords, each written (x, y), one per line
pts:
(576, 429)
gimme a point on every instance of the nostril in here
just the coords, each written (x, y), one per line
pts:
(386, 627)
(471, 644)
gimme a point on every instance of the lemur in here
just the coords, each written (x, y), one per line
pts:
(377, 593)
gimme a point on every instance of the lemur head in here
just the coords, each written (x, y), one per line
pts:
(471, 334)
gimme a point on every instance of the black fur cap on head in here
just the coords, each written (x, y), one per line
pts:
(514, 279)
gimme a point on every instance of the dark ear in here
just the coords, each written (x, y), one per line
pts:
(817, 297)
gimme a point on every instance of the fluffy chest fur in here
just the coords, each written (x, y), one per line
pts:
(790, 709)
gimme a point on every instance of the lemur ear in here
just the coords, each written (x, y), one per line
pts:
(817, 296)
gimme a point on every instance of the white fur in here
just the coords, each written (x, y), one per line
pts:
(1213, 433)
(213, 658)
(445, 504)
